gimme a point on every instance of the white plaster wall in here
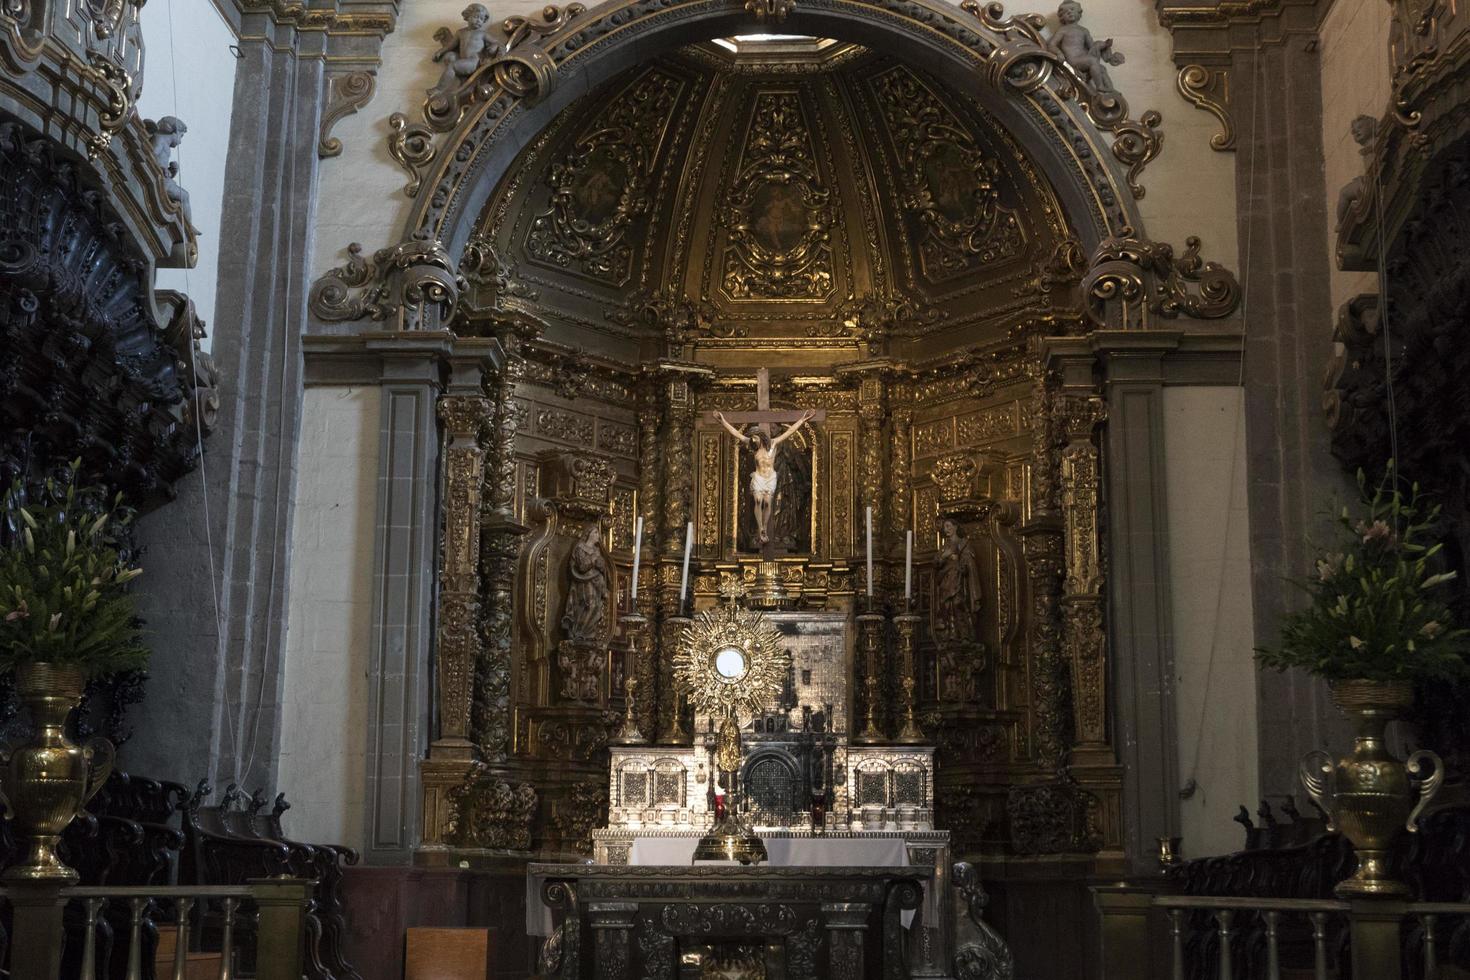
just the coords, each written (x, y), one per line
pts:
(1209, 572)
(325, 690)
(1355, 82)
(190, 73)
(1190, 187)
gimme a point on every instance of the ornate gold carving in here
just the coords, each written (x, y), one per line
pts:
(871, 318)
(678, 467)
(1025, 63)
(304, 18)
(1084, 641)
(843, 525)
(950, 184)
(496, 284)
(623, 518)
(414, 284)
(988, 425)
(774, 11)
(1131, 280)
(933, 438)
(465, 418)
(901, 465)
(709, 493)
(778, 215)
(600, 189)
(350, 92)
(617, 439)
(487, 811)
(1209, 89)
(956, 477)
(565, 427)
(926, 514)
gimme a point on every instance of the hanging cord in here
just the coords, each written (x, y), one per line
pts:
(1191, 782)
(281, 420)
(1383, 318)
(199, 437)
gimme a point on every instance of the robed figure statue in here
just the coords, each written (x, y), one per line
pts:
(585, 615)
(956, 587)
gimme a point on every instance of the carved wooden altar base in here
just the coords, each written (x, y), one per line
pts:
(658, 923)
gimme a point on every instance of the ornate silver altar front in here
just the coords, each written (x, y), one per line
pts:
(814, 797)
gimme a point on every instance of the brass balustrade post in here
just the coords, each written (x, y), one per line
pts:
(36, 907)
(1375, 924)
(281, 934)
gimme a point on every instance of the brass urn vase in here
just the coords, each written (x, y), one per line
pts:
(48, 779)
(1369, 796)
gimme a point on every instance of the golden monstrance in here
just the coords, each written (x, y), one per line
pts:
(730, 663)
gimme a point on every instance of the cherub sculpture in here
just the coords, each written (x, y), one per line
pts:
(165, 135)
(1365, 132)
(464, 50)
(1077, 48)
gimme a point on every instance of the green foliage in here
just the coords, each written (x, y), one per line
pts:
(63, 585)
(1376, 611)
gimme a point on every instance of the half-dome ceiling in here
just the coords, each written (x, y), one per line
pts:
(795, 200)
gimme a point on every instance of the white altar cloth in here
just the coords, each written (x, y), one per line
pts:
(781, 851)
(804, 852)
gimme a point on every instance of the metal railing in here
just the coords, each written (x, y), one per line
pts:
(275, 907)
(1148, 937)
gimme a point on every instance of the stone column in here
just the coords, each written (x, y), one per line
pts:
(403, 587)
(225, 539)
(1293, 477)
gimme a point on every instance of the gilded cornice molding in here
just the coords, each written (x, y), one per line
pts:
(341, 17)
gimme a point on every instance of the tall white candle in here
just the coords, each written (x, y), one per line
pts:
(870, 552)
(688, 547)
(637, 554)
(908, 565)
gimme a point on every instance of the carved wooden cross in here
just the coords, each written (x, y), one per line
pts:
(763, 416)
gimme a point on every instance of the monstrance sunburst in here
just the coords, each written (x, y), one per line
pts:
(730, 663)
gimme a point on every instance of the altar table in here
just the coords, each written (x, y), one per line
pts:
(620, 922)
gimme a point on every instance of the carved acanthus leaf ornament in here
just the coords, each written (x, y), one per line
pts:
(414, 283)
(1130, 280)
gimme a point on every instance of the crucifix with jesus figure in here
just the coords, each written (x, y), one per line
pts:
(764, 477)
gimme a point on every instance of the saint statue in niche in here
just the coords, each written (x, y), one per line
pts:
(956, 587)
(770, 506)
(584, 618)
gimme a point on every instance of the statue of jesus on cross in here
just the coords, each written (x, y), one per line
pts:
(763, 478)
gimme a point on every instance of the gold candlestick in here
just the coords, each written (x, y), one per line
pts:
(672, 724)
(629, 734)
(906, 624)
(870, 632)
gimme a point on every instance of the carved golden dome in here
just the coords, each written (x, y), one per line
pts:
(805, 199)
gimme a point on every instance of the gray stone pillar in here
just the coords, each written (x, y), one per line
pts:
(399, 676)
(1138, 588)
(1293, 478)
(218, 559)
